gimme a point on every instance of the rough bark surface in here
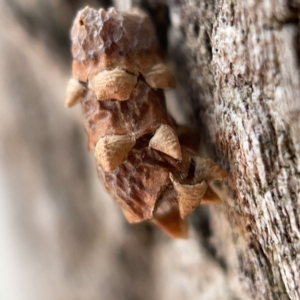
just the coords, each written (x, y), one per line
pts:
(237, 67)
(243, 62)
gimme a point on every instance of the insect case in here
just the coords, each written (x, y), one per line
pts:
(119, 77)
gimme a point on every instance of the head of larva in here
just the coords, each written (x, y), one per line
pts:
(111, 32)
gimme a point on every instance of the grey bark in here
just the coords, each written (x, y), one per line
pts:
(243, 62)
(237, 68)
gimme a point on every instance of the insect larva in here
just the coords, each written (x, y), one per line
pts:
(119, 77)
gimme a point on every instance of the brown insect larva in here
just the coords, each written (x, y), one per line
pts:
(119, 77)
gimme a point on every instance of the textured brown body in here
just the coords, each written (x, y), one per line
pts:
(141, 114)
(107, 40)
(139, 157)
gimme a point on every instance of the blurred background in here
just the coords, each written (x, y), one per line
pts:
(61, 236)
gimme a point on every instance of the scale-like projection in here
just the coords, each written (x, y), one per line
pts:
(119, 78)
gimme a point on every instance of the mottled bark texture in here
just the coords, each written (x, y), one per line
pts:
(242, 58)
(237, 68)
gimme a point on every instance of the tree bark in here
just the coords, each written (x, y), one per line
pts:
(242, 58)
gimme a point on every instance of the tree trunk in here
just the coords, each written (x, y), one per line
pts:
(237, 68)
(243, 62)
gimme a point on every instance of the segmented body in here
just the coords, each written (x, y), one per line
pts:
(119, 79)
